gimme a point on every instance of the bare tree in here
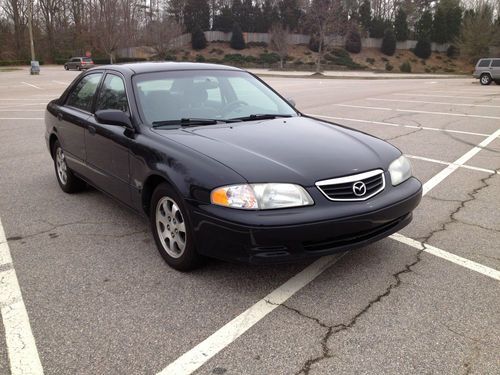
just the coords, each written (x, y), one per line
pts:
(280, 41)
(327, 18)
(162, 34)
(108, 26)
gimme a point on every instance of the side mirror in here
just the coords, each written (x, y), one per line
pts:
(113, 117)
(291, 102)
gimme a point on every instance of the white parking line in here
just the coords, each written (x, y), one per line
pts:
(21, 118)
(434, 181)
(201, 353)
(417, 111)
(62, 83)
(449, 96)
(477, 267)
(401, 125)
(448, 163)
(440, 103)
(29, 84)
(22, 110)
(21, 347)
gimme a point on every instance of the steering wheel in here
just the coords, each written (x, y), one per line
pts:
(230, 107)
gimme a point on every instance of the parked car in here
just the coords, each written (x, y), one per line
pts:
(225, 167)
(79, 63)
(487, 71)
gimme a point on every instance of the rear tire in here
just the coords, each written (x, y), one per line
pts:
(485, 79)
(497, 81)
(68, 182)
(172, 229)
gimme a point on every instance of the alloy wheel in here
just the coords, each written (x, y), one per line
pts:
(62, 168)
(171, 227)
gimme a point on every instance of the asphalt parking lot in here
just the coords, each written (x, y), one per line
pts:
(83, 289)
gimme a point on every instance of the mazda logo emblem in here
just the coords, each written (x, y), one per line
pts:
(359, 188)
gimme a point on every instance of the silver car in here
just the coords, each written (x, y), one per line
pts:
(79, 63)
(488, 70)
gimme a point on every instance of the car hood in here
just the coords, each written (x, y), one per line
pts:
(297, 150)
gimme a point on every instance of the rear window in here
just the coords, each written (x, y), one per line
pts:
(484, 63)
(86, 59)
(495, 63)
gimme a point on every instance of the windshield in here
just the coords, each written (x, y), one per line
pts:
(205, 94)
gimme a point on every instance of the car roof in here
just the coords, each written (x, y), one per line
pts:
(149, 67)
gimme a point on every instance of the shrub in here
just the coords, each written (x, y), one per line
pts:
(257, 44)
(423, 49)
(370, 60)
(198, 40)
(452, 52)
(405, 67)
(353, 42)
(388, 43)
(237, 40)
(200, 58)
(269, 58)
(314, 43)
(388, 67)
(338, 56)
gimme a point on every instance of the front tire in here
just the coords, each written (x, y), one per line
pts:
(66, 67)
(68, 182)
(172, 229)
(485, 79)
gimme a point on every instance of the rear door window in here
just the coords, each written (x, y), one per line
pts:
(484, 63)
(82, 95)
(495, 63)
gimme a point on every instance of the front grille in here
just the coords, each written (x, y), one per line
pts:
(358, 187)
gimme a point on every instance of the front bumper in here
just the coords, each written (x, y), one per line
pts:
(286, 235)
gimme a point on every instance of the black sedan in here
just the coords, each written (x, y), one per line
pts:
(225, 167)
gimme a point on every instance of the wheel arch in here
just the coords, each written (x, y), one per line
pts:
(52, 139)
(149, 186)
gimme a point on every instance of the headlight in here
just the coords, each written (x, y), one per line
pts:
(261, 196)
(400, 170)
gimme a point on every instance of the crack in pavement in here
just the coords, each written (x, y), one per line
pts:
(81, 222)
(332, 330)
(403, 135)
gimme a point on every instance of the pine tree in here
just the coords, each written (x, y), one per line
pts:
(388, 43)
(365, 15)
(197, 15)
(439, 26)
(424, 26)
(237, 40)
(401, 25)
(198, 40)
(353, 41)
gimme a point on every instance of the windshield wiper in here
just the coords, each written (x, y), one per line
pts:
(187, 122)
(263, 116)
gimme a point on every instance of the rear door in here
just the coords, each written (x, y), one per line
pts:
(107, 146)
(72, 120)
(495, 69)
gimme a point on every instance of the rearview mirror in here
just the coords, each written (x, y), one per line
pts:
(291, 102)
(113, 117)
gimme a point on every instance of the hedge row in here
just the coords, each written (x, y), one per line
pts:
(16, 62)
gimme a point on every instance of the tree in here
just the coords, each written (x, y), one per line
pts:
(378, 27)
(388, 43)
(237, 40)
(198, 40)
(223, 21)
(197, 15)
(280, 41)
(401, 25)
(423, 27)
(326, 17)
(162, 35)
(478, 33)
(439, 26)
(353, 41)
(365, 15)
(290, 13)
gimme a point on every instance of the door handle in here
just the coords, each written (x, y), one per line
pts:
(60, 116)
(91, 129)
